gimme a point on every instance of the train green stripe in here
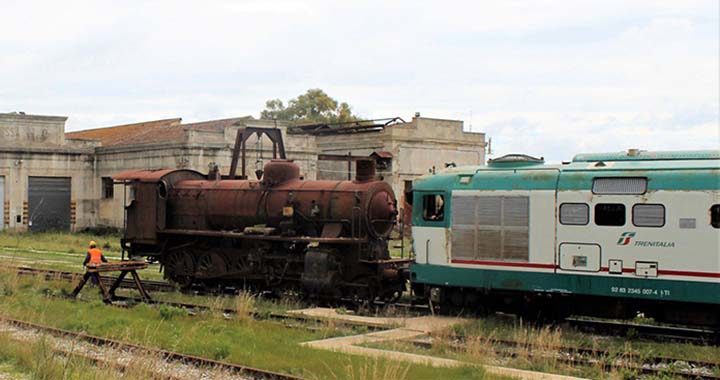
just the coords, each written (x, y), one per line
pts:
(641, 288)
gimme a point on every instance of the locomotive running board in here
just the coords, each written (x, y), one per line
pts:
(239, 235)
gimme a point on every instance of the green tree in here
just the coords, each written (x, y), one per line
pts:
(314, 106)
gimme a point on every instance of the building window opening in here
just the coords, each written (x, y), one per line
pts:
(407, 191)
(715, 216)
(610, 214)
(108, 188)
(434, 207)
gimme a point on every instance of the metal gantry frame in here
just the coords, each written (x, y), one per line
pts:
(274, 134)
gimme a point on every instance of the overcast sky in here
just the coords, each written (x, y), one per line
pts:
(547, 78)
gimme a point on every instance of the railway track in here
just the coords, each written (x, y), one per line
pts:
(594, 326)
(50, 274)
(659, 333)
(654, 332)
(171, 356)
(662, 366)
(574, 356)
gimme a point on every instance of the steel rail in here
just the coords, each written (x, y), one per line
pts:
(593, 357)
(652, 332)
(575, 355)
(197, 361)
(156, 286)
(657, 332)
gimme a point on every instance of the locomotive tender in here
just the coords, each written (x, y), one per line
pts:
(324, 238)
(606, 235)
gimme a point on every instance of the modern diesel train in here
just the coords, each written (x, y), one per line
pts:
(608, 234)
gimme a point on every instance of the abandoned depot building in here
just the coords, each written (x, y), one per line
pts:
(56, 180)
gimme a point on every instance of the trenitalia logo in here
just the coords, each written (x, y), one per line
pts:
(625, 238)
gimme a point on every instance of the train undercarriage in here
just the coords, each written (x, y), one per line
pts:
(549, 307)
(323, 271)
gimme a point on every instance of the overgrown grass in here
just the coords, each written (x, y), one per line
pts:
(249, 342)
(538, 348)
(38, 360)
(61, 241)
(509, 329)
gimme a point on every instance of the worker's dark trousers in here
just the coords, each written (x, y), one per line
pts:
(94, 280)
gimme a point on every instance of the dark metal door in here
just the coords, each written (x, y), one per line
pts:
(49, 203)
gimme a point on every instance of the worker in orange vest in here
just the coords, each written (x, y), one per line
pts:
(94, 255)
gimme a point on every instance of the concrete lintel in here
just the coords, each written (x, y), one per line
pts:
(15, 115)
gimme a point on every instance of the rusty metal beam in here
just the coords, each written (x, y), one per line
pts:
(356, 126)
(340, 157)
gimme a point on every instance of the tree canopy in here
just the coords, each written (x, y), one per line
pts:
(314, 106)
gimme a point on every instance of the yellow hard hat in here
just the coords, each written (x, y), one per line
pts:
(93, 244)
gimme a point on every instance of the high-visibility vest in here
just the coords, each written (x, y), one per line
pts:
(95, 256)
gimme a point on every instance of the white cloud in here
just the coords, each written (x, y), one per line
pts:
(546, 77)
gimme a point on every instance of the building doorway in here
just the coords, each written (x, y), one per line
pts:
(49, 204)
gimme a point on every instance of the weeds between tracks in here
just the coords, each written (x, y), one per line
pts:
(553, 350)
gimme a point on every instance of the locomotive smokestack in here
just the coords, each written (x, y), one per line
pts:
(365, 170)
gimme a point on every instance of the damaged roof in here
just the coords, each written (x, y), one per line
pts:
(151, 132)
(137, 133)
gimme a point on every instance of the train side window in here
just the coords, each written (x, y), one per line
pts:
(715, 216)
(610, 214)
(648, 215)
(433, 207)
(577, 214)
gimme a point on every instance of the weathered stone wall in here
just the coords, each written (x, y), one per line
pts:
(417, 147)
(17, 164)
(17, 129)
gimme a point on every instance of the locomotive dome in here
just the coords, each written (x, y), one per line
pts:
(280, 171)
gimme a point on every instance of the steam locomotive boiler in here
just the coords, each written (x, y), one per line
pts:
(326, 238)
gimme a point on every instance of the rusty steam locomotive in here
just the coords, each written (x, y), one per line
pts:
(325, 238)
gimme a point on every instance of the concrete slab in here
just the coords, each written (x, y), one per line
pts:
(424, 323)
(406, 328)
(331, 314)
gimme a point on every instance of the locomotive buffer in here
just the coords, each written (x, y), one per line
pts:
(124, 267)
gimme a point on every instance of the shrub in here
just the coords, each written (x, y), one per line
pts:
(245, 306)
(220, 351)
(169, 312)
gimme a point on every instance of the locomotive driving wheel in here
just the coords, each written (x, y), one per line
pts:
(211, 265)
(180, 268)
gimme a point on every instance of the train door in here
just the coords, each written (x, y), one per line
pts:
(593, 221)
(577, 249)
(430, 226)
